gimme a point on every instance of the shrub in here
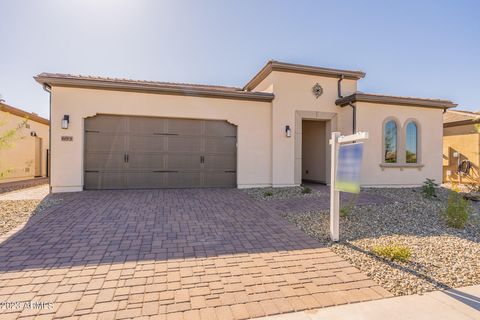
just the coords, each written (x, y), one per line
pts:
(306, 190)
(393, 252)
(268, 194)
(345, 211)
(457, 212)
(428, 188)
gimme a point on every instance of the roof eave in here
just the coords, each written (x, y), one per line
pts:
(22, 113)
(404, 101)
(273, 65)
(154, 88)
(460, 123)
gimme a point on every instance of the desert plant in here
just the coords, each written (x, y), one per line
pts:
(306, 190)
(7, 139)
(346, 210)
(268, 194)
(428, 188)
(457, 211)
(393, 252)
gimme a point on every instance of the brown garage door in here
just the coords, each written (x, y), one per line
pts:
(123, 152)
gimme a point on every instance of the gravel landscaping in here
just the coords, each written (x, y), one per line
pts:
(441, 256)
(281, 193)
(15, 212)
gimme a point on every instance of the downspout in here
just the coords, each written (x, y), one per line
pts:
(48, 89)
(354, 117)
(339, 86)
(354, 108)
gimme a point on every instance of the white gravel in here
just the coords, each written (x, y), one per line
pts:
(441, 256)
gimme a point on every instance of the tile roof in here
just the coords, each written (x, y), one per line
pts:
(188, 89)
(22, 113)
(460, 116)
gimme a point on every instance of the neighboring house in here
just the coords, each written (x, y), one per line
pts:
(272, 132)
(26, 157)
(461, 143)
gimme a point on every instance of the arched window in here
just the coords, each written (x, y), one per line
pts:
(411, 142)
(390, 140)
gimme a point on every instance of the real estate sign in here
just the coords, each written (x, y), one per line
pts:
(348, 167)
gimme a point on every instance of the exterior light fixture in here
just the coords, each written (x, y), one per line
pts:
(288, 131)
(33, 134)
(65, 121)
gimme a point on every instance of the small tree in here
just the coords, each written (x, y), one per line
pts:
(457, 212)
(8, 138)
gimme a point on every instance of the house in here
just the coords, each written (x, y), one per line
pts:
(117, 133)
(461, 146)
(25, 155)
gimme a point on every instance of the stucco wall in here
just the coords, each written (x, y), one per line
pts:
(252, 118)
(293, 102)
(370, 118)
(466, 141)
(18, 161)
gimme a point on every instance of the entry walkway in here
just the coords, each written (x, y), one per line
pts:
(452, 304)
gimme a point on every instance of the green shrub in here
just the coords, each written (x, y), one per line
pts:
(393, 252)
(268, 194)
(306, 190)
(345, 211)
(457, 212)
(428, 188)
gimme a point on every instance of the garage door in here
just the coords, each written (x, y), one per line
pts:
(123, 152)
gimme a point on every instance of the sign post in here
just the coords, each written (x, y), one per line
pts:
(348, 169)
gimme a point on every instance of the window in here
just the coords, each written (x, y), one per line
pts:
(411, 143)
(390, 136)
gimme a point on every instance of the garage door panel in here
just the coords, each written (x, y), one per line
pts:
(184, 127)
(189, 144)
(107, 142)
(220, 162)
(104, 161)
(146, 180)
(221, 179)
(183, 162)
(147, 125)
(105, 180)
(221, 145)
(184, 179)
(106, 124)
(146, 161)
(220, 129)
(146, 143)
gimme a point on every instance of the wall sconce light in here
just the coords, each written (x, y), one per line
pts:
(33, 134)
(288, 131)
(65, 121)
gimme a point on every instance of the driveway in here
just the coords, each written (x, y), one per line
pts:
(179, 254)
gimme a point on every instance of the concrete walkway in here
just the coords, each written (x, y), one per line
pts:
(452, 304)
(33, 193)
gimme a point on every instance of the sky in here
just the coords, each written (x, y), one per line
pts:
(419, 48)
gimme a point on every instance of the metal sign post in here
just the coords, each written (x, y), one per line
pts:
(335, 142)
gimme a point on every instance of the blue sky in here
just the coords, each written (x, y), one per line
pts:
(414, 48)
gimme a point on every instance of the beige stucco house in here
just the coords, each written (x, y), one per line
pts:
(272, 132)
(461, 146)
(25, 155)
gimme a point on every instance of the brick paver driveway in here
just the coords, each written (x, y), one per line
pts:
(175, 254)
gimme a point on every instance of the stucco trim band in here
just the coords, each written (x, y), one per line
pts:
(395, 100)
(461, 123)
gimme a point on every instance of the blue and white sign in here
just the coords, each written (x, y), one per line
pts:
(349, 167)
